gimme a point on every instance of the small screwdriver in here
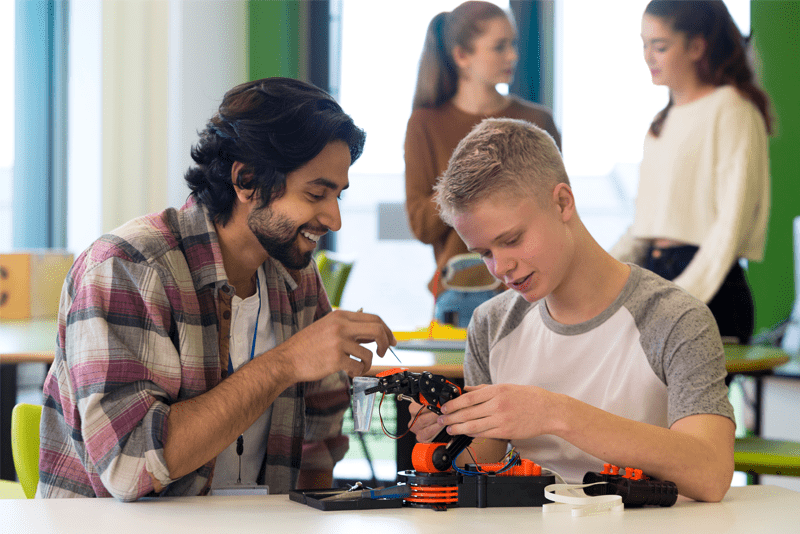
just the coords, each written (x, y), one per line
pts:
(390, 347)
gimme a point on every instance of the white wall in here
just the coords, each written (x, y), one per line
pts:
(781, 419)
(144, 77)
(208, 56)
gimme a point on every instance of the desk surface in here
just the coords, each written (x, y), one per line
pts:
(744, 510)
(432, 355)
(28, 341)
(744, 359)
(34, 341)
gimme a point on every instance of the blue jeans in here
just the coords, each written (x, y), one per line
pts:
(456, 307)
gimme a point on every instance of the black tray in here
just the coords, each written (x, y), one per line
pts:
(314, 498)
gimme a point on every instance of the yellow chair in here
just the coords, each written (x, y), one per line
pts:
(334, 272)
(25, 420)
(760, 456)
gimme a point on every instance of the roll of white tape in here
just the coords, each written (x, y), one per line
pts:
(570, 497)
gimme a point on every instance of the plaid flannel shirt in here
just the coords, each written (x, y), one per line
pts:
(142, 325)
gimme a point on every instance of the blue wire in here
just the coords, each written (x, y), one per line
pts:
(514, 460)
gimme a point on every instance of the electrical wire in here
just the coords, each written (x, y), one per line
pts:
(513, 459)
(383, 425)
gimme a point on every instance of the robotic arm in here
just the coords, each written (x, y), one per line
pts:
(434, 481)
(431, 391)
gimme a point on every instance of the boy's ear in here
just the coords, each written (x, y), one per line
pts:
(565, 200)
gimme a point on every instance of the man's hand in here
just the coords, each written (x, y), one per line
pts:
(325, 346)
(501, 411)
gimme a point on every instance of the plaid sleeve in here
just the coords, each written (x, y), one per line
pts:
(326, 402)
(125, 371)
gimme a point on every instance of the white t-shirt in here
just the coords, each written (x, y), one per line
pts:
(243, 320)
(653, 356)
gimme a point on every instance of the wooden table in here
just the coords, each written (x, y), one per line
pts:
(20, 342)
(34, 342)
(753, 359)
(446, 357)
(744, 510)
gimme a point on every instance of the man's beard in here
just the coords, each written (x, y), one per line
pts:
(278, 235)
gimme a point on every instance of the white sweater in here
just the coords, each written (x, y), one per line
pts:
(704, 181)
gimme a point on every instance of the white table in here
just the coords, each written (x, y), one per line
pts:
(745, 510)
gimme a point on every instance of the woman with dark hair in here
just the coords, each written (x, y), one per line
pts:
(703, 198)
(467, 52)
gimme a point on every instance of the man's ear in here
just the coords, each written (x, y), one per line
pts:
(244, 194)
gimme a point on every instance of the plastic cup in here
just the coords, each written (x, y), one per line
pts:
(362, 404)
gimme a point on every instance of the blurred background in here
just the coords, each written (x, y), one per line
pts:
(100, 102)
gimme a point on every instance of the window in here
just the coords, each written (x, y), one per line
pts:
(380, 48)
(7, 123)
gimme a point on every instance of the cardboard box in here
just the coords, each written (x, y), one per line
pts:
(30, 283)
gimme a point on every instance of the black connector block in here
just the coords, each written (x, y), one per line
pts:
(634, 493)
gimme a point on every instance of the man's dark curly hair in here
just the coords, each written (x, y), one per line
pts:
(273, 126)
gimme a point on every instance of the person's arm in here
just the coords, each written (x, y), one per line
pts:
(741, 178)
(123, 372)
(421, 174)
(696, 452)
(126, 373)
(200, 428)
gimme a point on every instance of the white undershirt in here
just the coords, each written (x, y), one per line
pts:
(243, 318)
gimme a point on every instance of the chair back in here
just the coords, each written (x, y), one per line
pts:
(25, 420)
(466, 283)
(334, 272)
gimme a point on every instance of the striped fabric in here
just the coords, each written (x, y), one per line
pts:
(142, 326)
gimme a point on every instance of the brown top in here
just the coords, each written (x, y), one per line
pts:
(431, 136)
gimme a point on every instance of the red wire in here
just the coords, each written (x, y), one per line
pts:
(383, 426)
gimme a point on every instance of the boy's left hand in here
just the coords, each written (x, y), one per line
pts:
(500, 411)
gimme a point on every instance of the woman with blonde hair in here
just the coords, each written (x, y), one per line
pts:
(467, 53)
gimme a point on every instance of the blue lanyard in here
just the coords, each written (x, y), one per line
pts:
(255, 330)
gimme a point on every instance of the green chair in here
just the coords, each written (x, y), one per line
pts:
(759, 456)
(334, 272)
(11, 490)
(25, 420)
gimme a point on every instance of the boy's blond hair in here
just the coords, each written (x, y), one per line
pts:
(503, 159)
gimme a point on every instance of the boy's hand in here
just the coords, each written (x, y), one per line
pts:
(500, 411)
(426, 426)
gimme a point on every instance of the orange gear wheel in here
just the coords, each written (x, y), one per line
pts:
(422, 457)
(433, 495)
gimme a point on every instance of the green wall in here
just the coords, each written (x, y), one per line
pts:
(274, 38)
(776, 36)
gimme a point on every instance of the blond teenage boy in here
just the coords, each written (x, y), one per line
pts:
(584, 359)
